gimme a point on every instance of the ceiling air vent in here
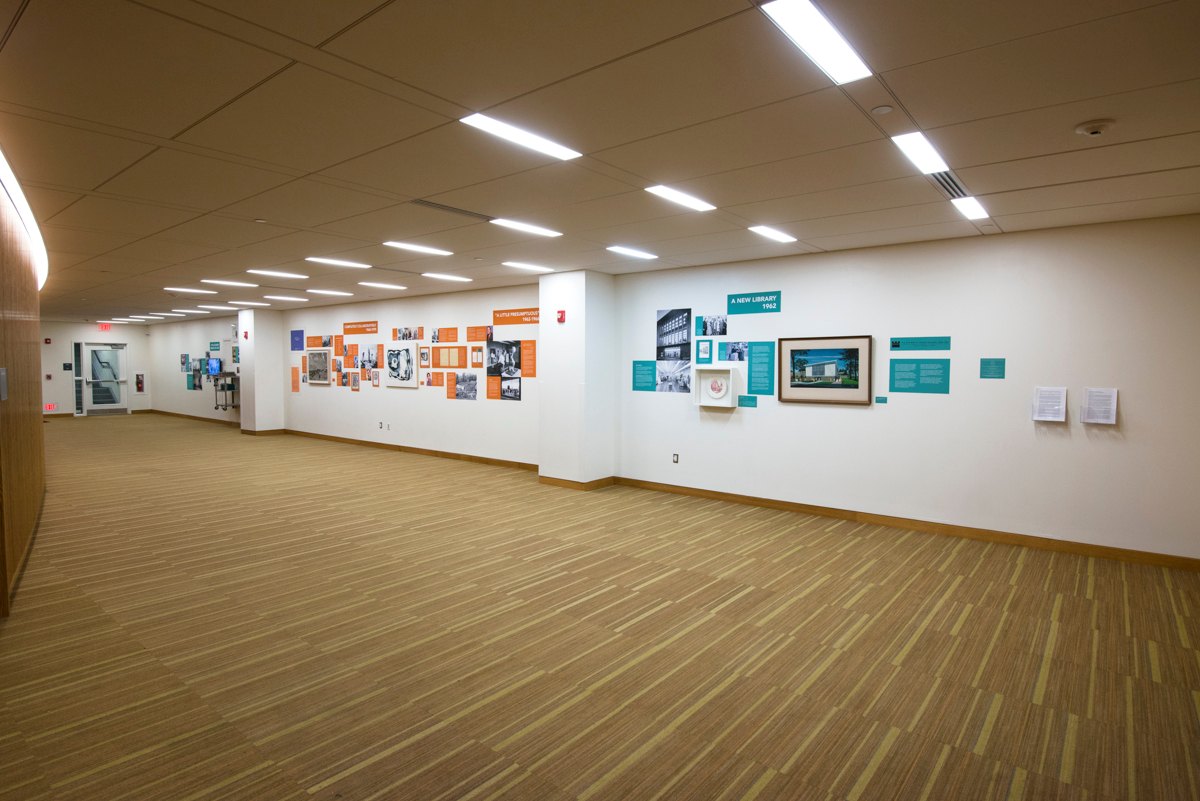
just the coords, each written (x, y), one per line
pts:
(474, 215)
(949, 184)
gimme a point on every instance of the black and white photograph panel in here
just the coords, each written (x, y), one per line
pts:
(674, 377)
(510, 389)
(714, 325)
(674, 335)
(401, 364)
(504, 358)
(368, 357)
(466, 386)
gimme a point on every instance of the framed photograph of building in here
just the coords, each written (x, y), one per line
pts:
(318, 366)
(825, 370)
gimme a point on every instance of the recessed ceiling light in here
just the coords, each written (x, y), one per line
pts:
(145, 317)
(771, 233)
(358, 265)
(682, 198)
(444, 277)
(329, 292)
(377, 285)
(125, 320)
(970, 208)
(920, 152)
(190, 311)
(520, 137)
(220, 308)
(277, 274)
(114, 322)
(419, 248)
(637, 254)
(816, 37)
(226, 283)
(193, 291)
(286, 297)
(247, 303)
(526, 227)
(520, 265)
(169, 314)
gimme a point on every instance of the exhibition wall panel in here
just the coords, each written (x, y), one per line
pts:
(59, 389)
(195, 338)
(1111, 306)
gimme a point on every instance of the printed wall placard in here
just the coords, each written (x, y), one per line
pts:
(514, 316)
(755, 302)
(450, 357)
(493, 387)
(919, 343)
(411, 332)
(451, 378)
(645, 375)
(479, 333)
(748, 401)
(991, 368)
(214, 346)
(529, 358)
(298, 339)
(446, 335)
(926, 376)
(339, 344)
(362, 327)
(295, 379)
(760, 377)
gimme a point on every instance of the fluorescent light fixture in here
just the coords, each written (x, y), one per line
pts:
(526, 227)
(920, 152)
(338, 262)
(114, 322)
(520, 265)
(637, 254)
(444, 277)
(286, 297)
(520, 137)
(124, 320)
(276, 274)
(227, 283)
(381, 286)
(33, 235)
(816, 37)
(247, 303)
(220, 308)
(419, 248)
(329, 292)
(145, 317)
(682, 198)
(190, 311)
(771, 233)
(170, 314)
(193, 291)
(970, 208)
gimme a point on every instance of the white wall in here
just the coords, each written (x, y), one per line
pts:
(60, 388)
(1113, 305)
(422, 417)
(167, 342)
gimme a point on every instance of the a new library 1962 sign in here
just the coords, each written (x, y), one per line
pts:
(755, 303)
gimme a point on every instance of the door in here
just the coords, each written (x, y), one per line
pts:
(103, 379)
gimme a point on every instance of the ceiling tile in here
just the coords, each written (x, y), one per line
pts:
(222, 232)
(126, 65)
(101, 214)
(121, 265)
(1087, 193)
(479, 53)
(398, 222)
(47, 202)
(733, 65)
(896, 236)
(185, 179)
(307, 203)
(819, 121)
(739, 254)
(62, 156)
(164, 251)
(299, 245)
(309, 21)
(550, 186)
(690, 224)
(928, 214)
(1118, 54)
(850, 200)
(629, 207)
(1102, 212)
(340, 120)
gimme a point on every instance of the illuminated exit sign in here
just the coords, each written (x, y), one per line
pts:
(105, 326)
(50, 407)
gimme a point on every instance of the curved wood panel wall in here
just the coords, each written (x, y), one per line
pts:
(22, 453)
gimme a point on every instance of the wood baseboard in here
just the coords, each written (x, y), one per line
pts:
(58, 414)
(464, 457)
(267, 433)
(233, 423)
(944, 529)
(578, 485)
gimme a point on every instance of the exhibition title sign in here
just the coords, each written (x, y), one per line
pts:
(362, 327)
(514, 316)
(755, 303)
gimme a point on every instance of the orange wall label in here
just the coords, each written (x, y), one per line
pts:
(447, 334)
(304, 364)
(313, 342)
(339, 345)
(529, 358)
(477, 356)
(514, 316)
(493, 390)
(295, 379)
(450, 357)
(439, 379)
(477, 333)
(365, 327)
(451, 382)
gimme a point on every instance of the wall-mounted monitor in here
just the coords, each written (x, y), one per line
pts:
(214, 366)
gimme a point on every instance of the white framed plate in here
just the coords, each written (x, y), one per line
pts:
(716, 387)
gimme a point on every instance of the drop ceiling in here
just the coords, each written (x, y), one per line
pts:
(162, 142)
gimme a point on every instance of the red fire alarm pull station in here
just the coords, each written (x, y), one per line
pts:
(562, 315)
(245, 335)
(47, 340)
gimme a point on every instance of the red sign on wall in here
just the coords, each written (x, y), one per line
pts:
(105, 326)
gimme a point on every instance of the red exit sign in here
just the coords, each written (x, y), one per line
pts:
(50, 407)
(105, 326)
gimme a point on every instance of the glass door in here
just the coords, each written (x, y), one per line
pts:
(103, 379)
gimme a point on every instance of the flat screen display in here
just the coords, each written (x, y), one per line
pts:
(214, 366)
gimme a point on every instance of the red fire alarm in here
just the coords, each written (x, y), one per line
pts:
(562, 315)
(245, 335)
(49, 376)
(47, 340)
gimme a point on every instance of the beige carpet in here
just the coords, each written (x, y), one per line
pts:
(208, 615)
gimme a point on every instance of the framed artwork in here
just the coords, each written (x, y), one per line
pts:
(400, 364)
(318, 366)
(825, 370)
(424, 355)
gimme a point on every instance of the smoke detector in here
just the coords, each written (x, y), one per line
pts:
(1093, 128)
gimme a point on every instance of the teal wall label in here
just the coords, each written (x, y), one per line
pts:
(748, 401)
(645, 376)
(760, 378)
(931, 376)
(920, 343)
(755, 303)
(214, 345)
(704, 351)
(881, 398)
(991, 368)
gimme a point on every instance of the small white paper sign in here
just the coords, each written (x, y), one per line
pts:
(1099, 405)
(1050, 404)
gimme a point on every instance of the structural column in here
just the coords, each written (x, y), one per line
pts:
(263, 346)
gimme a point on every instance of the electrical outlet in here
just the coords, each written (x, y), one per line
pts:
(380, 425)
(675, 458)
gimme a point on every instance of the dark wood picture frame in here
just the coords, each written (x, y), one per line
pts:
(822, 369)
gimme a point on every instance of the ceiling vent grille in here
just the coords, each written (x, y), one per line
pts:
(429, 204)
(949, 184)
